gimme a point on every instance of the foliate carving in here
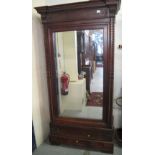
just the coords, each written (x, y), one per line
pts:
(104, 12)
(113, 6)
(112, 10)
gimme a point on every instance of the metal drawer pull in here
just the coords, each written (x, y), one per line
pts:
(77, 141)
(88, 135)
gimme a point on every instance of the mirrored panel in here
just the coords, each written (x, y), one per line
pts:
(80, 66)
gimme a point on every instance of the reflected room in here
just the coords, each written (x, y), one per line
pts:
(80, 72)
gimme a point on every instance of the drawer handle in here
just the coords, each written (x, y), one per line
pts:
(88, 136)
(77, 141)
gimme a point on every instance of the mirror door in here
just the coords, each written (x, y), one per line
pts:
(79, 65)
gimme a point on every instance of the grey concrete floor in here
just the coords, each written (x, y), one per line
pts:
(47, 149)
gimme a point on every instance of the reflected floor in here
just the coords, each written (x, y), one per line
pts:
(88, 112)
(97, 81)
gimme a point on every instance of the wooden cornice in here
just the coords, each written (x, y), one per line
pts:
(80, 5)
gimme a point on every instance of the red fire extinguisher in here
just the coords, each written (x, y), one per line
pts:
(65, 78)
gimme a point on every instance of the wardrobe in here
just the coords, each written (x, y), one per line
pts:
(67, 29)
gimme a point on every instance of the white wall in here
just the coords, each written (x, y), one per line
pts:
(40, 105)
(117, 111)
(70, 54)
(118, 56)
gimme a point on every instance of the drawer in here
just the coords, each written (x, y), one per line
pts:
(84, 144)
(94, 134)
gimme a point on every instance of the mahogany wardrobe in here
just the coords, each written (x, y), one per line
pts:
(79, 49)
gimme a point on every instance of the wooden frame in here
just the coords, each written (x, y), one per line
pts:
(80, 16)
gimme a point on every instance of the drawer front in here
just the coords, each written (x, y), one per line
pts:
(92, 134)
(86, 144)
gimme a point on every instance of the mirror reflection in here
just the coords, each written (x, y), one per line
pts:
(79, 66)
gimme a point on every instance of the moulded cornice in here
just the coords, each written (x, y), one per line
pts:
(80, 5)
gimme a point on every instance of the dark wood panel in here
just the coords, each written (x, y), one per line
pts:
(83, 143)
(83, 133)
(78, 11)
(79, 122)
(74, 15)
